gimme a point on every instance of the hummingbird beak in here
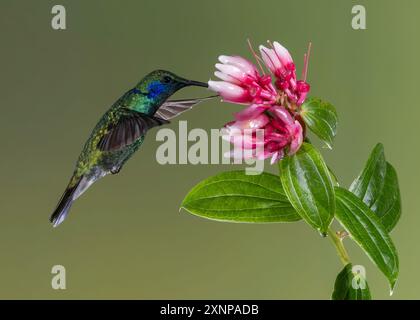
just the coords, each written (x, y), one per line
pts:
(196, 83)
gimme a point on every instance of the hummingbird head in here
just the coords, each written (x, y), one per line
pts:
(161, 84)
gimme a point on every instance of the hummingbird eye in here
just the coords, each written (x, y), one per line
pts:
(167, 79)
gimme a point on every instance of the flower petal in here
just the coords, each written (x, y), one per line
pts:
(270, 59)
(254, 123)
(240, 62)
(232, 71)
(297, 138)
(250, 112)
(283, 54)
(225, 77)
(229, 91)
(282, 115)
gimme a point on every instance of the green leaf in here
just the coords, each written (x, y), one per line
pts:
(333, 176)
(366, 229)
(321, 118)
(236, 197)
(377, 186)
(308, 185)
(350, 285)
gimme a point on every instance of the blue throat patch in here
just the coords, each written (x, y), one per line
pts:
(155, 89)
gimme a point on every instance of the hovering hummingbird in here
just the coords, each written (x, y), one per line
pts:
(121, 131)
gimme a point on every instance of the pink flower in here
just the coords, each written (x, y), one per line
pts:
(279, 61)
(287, 131)
(254, 110)
(242, 82)
(282, 135)
(273, 107)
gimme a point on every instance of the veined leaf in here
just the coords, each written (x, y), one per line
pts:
(308, 185)
(236, 197)
(321, 117)
(377, 186)
(333, 177)
(365, 228)
(350, 285)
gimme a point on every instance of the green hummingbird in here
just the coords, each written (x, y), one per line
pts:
(121, 131)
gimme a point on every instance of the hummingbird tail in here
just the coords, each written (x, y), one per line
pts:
(63, 207)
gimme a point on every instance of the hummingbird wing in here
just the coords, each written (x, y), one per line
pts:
(172, 108)
(129, 127)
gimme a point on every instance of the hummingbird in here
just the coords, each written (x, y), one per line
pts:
(121, 131)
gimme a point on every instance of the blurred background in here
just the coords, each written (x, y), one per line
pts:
(125, 238)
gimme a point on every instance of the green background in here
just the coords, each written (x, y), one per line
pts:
(125, 238)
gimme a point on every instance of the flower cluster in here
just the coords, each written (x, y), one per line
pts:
(273, 101)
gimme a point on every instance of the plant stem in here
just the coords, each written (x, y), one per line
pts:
(338, 243)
